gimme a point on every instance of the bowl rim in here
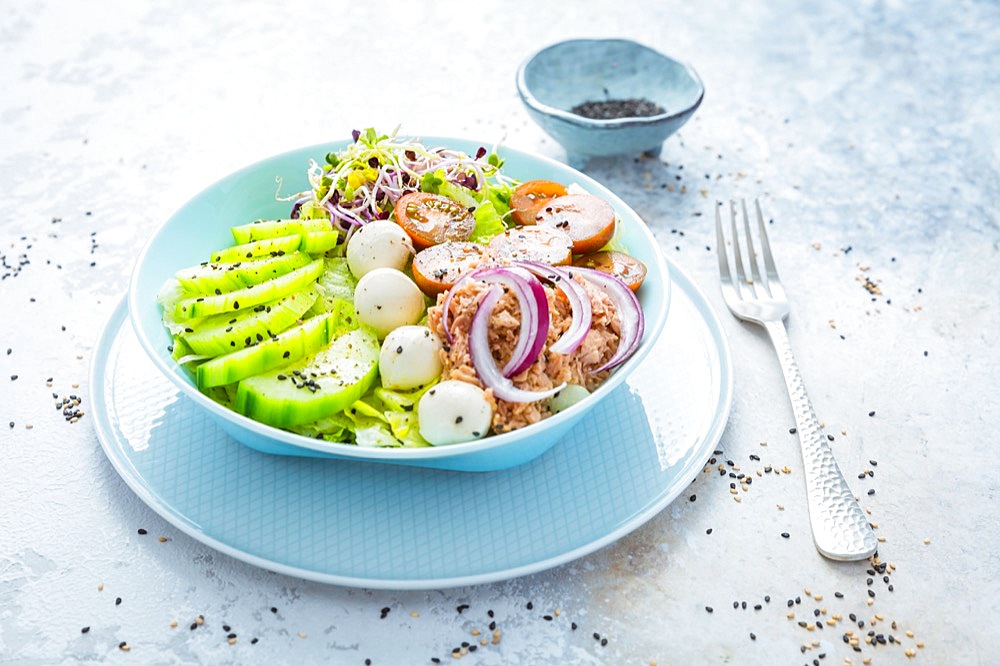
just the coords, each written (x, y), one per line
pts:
(181, 379)
(597, 123)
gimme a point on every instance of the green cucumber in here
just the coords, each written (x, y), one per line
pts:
(259, 248)
(223, 333)
(318, 242)
(261, 229)
(282, 349)
(314, 387)
(211, 276)
(248, 297)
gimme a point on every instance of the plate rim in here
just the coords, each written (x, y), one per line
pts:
(722, 388)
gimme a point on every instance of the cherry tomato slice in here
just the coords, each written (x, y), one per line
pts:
(430, 219)
(437, 268)
(545, 244)
(529, 196)
(589, 220)
(623, 266)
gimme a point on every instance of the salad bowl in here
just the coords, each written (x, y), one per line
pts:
(193, 232)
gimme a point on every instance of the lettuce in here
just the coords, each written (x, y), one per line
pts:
(488, 223)
(382, 418)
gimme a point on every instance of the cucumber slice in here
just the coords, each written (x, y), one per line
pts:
(318, 242)
(208, 277)
(316, 386)
(261, 229)
(289, 346)
(224, 333)
(259, 248)
(248, 297)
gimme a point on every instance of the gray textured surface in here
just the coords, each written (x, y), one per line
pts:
(868, 129)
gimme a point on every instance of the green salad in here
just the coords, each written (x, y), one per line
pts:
(409, 299)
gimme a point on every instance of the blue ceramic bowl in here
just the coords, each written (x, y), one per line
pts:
(203, 225)
(559, 77)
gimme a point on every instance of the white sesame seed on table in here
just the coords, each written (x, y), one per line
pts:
(867, 130)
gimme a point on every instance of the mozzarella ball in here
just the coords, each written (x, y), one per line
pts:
(410, 357)
(567, 397)
(378, 244)
(386, 299)
(453, 412)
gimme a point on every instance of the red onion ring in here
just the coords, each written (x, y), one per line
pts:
(629, 313)
(579, 301)
(482, 358)
(446, 305)
(534, 306)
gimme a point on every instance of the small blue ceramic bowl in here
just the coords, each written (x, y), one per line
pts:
(564, 75)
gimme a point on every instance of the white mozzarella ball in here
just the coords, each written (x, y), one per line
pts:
(410, 357)
(567, 397)
(386, 298)
(378, 244)
(454, 411)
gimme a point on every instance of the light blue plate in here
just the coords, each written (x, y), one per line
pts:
(203, 225)
(388, 526)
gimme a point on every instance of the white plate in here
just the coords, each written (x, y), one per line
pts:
(372, 525)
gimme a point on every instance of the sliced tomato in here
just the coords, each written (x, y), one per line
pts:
(429, 219)
(529, 196)
(545, 244)
(437, 268)
(589, 220)
(623, 266)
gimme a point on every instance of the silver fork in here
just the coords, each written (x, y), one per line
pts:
(839, 526)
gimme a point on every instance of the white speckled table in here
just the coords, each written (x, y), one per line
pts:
(869, 131)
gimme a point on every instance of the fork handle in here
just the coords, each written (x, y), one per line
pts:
(839, 526)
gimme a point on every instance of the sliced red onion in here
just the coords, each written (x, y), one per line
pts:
(482, 358)
(629, 313)
(445, 307)
(579, 302)
(534, 308)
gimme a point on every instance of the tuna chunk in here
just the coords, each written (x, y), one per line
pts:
(549, 370)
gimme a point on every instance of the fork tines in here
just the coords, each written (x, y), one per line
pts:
(759, 283)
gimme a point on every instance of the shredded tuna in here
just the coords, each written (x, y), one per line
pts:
(549, 369)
